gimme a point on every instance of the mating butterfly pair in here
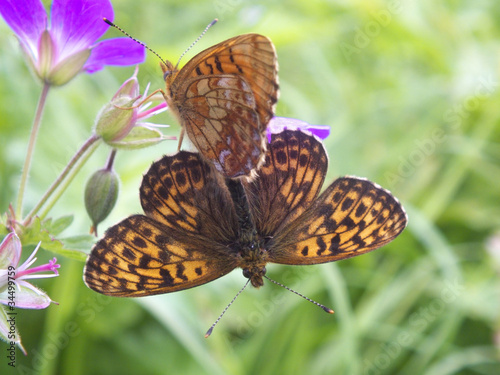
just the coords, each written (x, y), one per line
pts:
(199, 226)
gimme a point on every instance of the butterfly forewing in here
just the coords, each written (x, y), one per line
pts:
(183, 193)
(224, 98)
(288, 182)
(249, 56)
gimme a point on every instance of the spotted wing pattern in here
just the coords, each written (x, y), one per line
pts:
(224, 98)
(288, 182)
(178, 244)
(351, 217)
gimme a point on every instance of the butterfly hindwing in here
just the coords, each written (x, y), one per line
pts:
(224, 127)
(351, 217)
(140, 257)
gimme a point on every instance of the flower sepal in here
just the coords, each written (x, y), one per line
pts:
(68, 68)
(116, 119)
(8, 330)
(140, 137)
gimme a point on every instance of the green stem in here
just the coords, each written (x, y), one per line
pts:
(111, 160)
(31, 147)
(67, 291)
(74, 160)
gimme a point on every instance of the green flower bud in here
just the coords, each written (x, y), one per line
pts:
(101, 193)
(115, 121)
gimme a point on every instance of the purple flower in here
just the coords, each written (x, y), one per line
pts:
(278, 124)
(68, 46)
(15, 291)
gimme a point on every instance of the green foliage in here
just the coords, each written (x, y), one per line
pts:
(411, 91)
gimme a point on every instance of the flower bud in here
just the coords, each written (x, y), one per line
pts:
(101, 193)
(115, 121)
(119, 116)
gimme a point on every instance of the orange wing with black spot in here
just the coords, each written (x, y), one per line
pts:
(224, 98)
(288, 182)
(178, 244)
(351, 217)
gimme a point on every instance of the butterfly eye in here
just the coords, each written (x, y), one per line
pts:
(247, 273)
(167, 73)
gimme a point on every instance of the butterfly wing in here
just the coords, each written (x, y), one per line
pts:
(351, 217)
(178, 244)
(224, 98)
(288, 182)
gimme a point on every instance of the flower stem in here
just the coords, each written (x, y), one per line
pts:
(111, 160)
(31, 147)
(86, 150)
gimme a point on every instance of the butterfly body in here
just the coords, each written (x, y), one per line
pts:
(199, 225)
(250, 246)
(224, 97)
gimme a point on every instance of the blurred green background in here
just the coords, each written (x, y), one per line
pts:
(411, 92)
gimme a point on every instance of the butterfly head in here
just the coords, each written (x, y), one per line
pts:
(253, 259)
(169, 71)
(256, 275)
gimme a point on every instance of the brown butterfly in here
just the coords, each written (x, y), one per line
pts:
(199, 226)
(224, 98)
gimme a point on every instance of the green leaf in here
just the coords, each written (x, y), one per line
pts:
(61, 224)
(81, 243)
(45, 231)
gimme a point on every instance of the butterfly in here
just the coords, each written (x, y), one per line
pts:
(224, 98)
(199, 226)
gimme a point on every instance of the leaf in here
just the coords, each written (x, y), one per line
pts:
(45, 231)
(61, 224)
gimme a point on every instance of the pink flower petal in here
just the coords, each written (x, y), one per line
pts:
(10, 251)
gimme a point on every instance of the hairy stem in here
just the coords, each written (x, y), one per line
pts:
(31, 147)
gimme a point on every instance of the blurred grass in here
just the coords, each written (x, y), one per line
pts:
(410, 90)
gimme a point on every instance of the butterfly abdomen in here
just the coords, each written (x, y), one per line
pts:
(248, 248)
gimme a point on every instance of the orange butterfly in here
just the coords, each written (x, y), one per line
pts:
(199, 226)
(224, 98)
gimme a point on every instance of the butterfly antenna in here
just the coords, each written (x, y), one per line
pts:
(135, 40)
(196, 41)
(209, 332)
(328, 310)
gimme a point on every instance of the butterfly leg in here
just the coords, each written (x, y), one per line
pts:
(181, 137)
